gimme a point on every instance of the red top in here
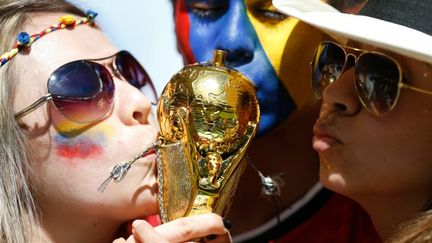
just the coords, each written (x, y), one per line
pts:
(339, 220)
(329, 218)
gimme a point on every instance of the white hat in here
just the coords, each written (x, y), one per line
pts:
(401, 26)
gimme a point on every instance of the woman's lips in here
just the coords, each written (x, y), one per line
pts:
(321, 143)
(322, 139)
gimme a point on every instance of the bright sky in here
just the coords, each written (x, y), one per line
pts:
(143, 27)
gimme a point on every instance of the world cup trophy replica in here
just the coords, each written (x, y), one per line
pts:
(208, 114)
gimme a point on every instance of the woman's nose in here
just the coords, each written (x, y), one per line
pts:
(238, 37)
(340, 96)
(132, 106)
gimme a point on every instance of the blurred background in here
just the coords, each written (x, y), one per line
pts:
(143, 27)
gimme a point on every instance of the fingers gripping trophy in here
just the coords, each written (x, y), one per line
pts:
(208, 114)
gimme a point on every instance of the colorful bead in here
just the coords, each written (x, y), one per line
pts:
(4, 58)
(67, 20)
(23, 39)
(91, 14)
(13, 52)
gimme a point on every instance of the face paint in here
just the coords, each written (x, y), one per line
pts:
(85, 146)
(289, 44)
(255, 36)
(182, 31)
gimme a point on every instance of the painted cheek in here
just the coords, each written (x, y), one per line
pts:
(80, 147)
(83, 146)
(182, 28)
(233, 31)
(289, 46)
(273, 38)
(203, 36)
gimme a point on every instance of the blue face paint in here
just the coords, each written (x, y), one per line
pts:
(224, 24)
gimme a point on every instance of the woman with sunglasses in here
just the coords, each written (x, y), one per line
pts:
(374, 130)
(72, 106)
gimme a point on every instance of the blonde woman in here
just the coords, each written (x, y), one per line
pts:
(71, 107)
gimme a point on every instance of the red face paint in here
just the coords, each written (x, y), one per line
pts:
(182, 28)
(79, 148)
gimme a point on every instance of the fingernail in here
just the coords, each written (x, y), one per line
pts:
(136, 223)
(211, 237)
(227, 224)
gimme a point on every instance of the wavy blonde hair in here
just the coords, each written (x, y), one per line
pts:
(18, 210)
(416, 230)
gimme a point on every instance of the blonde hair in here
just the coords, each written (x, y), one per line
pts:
(18, 210)
(416, 230)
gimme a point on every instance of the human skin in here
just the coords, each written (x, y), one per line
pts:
(273, 51)
(253, 33)
(347, 6)
(180, 230)
(383, 162)
(65, 183)
(270, 48)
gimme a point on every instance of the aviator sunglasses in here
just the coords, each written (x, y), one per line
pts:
(378, 77)
(83, 90)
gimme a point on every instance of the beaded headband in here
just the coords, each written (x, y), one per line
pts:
(24, 40)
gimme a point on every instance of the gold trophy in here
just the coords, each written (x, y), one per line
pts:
(208, 114)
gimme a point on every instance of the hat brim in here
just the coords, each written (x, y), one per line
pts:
(386, 35)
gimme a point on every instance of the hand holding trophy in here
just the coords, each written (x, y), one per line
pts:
(208, 114)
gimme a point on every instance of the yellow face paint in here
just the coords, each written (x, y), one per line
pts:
(289, 45)
(68, 128)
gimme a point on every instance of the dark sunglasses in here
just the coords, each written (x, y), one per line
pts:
(378, 77)
(83, 90)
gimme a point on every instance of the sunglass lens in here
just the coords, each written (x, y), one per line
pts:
(327, 65)
(135, 74)
(376, 79)
(82, 91)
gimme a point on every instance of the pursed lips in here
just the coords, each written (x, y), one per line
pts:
(323, 138)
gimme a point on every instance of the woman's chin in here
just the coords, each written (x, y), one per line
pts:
(333, 181)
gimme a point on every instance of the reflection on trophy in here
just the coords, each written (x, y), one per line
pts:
(208, 114)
